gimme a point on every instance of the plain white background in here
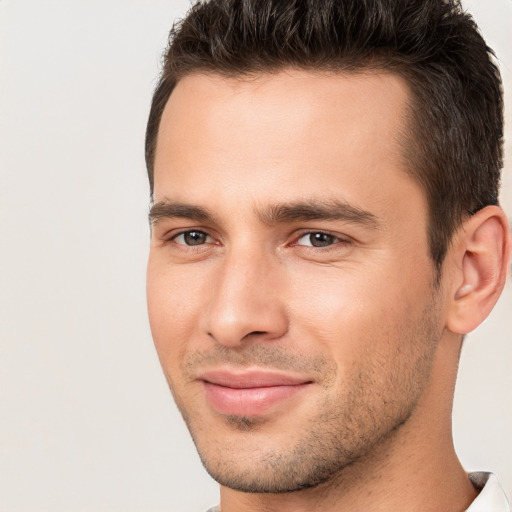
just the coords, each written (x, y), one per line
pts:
(86, 420)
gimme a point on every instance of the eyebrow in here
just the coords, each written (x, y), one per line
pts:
(318, 210)
(170, 210)
(281, 213)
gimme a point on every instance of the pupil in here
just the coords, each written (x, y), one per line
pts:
(194, 238)
(321, 239)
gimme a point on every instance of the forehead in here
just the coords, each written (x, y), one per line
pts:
(291, 100)
(282, 136)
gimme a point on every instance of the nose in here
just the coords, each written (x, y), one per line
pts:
(246, 300)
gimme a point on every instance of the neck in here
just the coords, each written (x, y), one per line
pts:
(414, 468)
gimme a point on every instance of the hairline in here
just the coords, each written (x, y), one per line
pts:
(409, 124)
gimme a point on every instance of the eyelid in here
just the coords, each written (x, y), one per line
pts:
(168, 233)
(339, 238)
(172, 237)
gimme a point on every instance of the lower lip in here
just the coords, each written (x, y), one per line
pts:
(249, 401)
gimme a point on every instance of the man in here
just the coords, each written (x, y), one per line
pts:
(325, 230)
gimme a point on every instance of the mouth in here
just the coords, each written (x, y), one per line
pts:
(250, 393)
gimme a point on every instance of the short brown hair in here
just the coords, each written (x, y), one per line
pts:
(456, 131)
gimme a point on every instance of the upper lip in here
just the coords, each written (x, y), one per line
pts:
(251, 378)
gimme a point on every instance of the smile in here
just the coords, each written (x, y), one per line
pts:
(249, 393)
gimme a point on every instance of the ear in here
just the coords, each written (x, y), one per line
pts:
(480, 259)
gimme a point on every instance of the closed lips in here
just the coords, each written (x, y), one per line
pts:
(249, 393)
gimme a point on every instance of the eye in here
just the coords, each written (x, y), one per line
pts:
(317, 239)
(192, 238)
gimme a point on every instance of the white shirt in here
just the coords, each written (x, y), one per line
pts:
(491, 498)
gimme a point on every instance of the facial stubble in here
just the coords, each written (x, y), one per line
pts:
(346, 429)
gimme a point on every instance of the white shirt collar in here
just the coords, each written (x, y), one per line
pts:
(492, 497)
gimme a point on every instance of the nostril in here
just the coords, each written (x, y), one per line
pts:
(257, 334)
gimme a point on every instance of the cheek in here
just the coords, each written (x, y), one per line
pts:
(354, 313)
(335, 302)
(173, 298)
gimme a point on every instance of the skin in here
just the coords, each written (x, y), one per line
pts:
(238, 280)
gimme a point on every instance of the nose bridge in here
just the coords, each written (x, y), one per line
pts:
(245, 297)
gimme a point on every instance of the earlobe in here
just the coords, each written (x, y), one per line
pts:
(481, 256)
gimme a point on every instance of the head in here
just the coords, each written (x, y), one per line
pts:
(314, 166)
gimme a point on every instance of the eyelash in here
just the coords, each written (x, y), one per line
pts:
(188, 232)
(333, 238)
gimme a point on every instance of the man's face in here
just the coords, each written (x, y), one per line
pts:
(289, 281)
